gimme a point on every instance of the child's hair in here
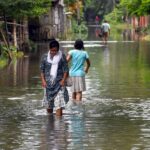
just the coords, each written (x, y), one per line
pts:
(79, 44)
(54, 43)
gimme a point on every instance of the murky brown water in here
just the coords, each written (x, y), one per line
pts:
(114, 114)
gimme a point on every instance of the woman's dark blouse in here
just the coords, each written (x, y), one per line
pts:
(53, 89)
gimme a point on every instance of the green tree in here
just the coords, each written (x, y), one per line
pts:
(20, 10)
(68, 2)
(115, 16)
(137, 7)
(98, 7)
(144, 7)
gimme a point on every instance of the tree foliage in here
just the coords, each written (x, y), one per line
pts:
(101, 6)
(115, 16)
(74, 5)
(145, 7)
(98, 7)
(137, 7)
(69, 2)
(22, 8)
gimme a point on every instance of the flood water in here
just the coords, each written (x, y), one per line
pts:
(114, 113)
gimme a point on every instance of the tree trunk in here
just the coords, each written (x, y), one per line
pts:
(6, 29)
(14, 33)
(21, 32)
(26, 32)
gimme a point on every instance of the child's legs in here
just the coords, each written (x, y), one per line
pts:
(74, 95)
(78, 87)
(106, 37)
(59, 112)
(78, 96)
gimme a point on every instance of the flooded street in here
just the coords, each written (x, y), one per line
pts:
(114, 113)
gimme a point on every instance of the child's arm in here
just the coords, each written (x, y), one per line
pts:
(68, 57)
(88, 64)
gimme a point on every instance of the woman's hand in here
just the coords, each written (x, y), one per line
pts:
(44, 84)
(62, 82)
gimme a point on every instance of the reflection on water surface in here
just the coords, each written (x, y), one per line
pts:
(114, 114)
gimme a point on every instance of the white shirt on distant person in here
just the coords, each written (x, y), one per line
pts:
(106, 27)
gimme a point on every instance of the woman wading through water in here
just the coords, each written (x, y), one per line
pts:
(54, 71)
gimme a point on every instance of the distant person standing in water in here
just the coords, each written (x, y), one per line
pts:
(106, 31)
(77, 71)
(97, 20)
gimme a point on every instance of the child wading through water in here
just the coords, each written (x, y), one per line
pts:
(77, 71)
(54, 71)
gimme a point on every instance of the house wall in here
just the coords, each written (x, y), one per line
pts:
(142, 21)
(52, 23)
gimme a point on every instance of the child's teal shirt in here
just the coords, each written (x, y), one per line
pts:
(77, 64)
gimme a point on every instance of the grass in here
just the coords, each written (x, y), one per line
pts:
(147, 38)
(121, 26)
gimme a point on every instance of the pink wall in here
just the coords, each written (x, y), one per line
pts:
(142, 21)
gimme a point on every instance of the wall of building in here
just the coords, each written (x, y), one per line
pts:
(142, 21)
(52, 23)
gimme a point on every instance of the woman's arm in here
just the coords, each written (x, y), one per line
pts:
(43, 80)
(42, 68)
(62, 82)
